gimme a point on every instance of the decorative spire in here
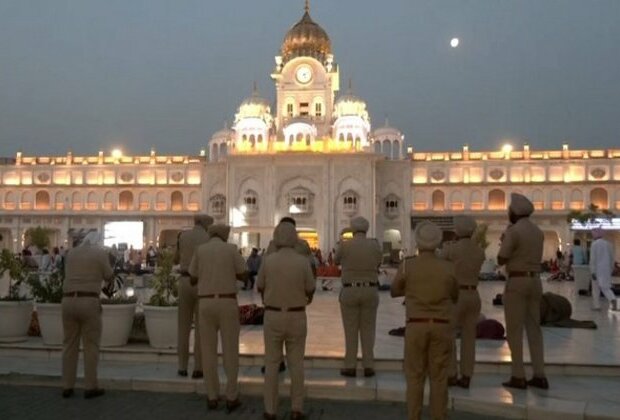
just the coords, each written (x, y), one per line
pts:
(350, 91)
(254, 89)
(307, 6)
(387, 121)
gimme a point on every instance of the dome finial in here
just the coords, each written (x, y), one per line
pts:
(254, 89)
(350, 91)
(307, 6)
(387, 121)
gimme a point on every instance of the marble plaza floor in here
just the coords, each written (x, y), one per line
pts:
(583, 365)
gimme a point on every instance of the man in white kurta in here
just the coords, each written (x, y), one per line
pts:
(601, 267)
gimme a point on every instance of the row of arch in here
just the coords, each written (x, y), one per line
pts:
(392, 149)
(497, 199)
(124, 200)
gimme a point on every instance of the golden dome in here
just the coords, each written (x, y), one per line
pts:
(306, 39)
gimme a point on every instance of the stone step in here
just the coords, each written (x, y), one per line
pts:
(144, 353)
(569, 398)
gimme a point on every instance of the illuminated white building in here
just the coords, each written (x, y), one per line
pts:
(312, 155)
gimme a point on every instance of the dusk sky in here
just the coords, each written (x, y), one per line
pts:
(91, 75)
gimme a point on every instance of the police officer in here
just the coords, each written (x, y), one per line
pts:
(360, 258)
(467, 257)
(287, 284)
(216, 267)
(429, 285)
(521, 251)
(187, 243)
(86, 266)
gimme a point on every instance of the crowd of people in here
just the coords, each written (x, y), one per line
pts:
(439, 286)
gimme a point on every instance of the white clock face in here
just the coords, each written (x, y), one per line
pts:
(303, 74)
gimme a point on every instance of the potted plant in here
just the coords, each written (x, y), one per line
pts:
(161, 312)
(47, 292)
(15, 308)
(117, 314)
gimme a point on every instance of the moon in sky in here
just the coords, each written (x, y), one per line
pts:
(454, 42)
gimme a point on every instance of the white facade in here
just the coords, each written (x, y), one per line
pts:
(312, 155)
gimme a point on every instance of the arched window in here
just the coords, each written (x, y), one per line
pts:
(59, 200)
(160, 201)
(538, 199)
(217, 205)
(439, 200)
(456, 200)
(378, 147)
(300, 201)
(308, 139)
(250, 201)
(244, 138)
(9, 201)
(475, 200)
(193, 204)
(253, 140)
(91, 201)
(387, 148)
(125, 200)
(108, 201)
(260, 138)
(497, 200)
(350, 137)
(557, 200)
(599, 197)
(396, 150)
(576, 199)
(42, 200)
(176, 201)
(144, 200)
(419, 200)
(350, 203)
(223, 150)
(76, 201)
(391, 204)
(341, 137)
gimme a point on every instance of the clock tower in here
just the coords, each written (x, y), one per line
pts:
(306, 77)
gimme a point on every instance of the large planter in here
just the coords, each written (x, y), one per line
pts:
(116, 323)
(162, 326)
(15, 320)
(50, 323)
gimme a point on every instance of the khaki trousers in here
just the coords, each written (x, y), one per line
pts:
(427, 353)
(466, 315)
(522, 309)
(188, 312)
(288, 329)
(81, 319)
(358, 306)
(220, 315)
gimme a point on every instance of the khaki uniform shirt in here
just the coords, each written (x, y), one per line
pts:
(187, 244)
(467, 257)
(360, 257)
(85, 268)
(216, 265)
(429, 285)
(285, 277)
(522, 246)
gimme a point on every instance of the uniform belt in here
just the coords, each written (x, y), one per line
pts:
(219, 296)
(522, 273)
(428, 320)
(467, 287)
(81, 294)
(361, 284)
(293, 309)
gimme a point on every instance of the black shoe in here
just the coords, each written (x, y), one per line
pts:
(67, 393)
(93, 393)
(232, 405)
(350, 373)
(536, 382)
(197, 374)
(463, 382)
(182, 372)
(518, 383)
(369, 372)
(212, 404)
